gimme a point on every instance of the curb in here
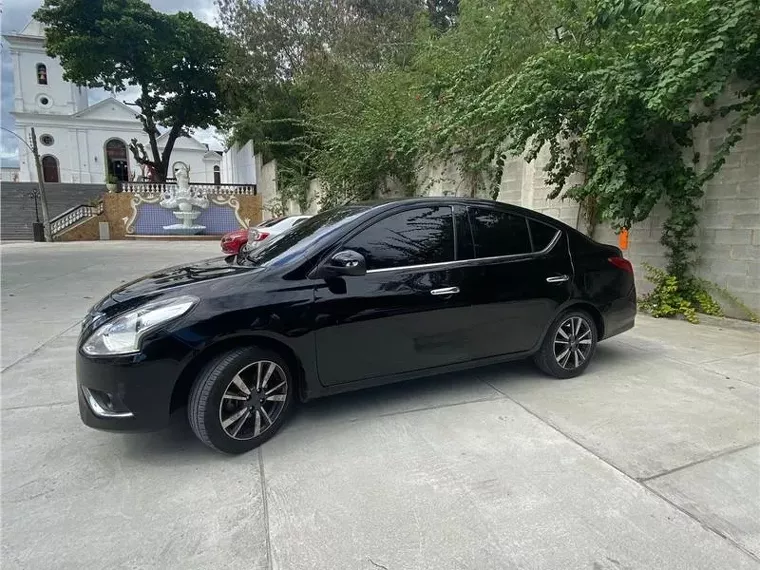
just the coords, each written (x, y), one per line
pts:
(728, 323)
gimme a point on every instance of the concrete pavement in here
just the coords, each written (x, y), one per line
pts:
(650, 460)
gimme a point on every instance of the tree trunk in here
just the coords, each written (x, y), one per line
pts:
(174, 133)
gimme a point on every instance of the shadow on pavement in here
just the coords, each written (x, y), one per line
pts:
(474, 385)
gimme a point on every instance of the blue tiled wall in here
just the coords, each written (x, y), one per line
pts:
(151, 219)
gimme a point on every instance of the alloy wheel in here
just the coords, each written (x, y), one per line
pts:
(573, 342)
(253, 400)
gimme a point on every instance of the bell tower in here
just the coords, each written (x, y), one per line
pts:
(38, 82)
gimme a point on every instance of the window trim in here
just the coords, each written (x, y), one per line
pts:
(530, 231)
(475, 260)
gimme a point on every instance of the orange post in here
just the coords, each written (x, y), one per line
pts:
(623, 239)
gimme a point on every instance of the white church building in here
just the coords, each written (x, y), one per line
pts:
(83, 143)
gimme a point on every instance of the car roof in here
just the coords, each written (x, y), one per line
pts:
(380, 205)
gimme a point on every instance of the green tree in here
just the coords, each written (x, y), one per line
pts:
(175, 60)
(291, 73)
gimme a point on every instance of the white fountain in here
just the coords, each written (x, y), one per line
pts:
(183, 198)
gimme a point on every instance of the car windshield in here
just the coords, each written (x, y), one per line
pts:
(299, 238)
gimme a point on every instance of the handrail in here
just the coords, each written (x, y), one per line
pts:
(199, 187)
(62, 214)
(71, 216)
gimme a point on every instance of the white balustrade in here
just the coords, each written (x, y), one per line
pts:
(196, 188)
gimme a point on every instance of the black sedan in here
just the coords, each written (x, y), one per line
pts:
(357, 296)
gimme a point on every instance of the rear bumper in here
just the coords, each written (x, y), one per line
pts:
(231, 248)
(620, 315)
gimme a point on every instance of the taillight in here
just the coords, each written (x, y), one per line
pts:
(256, 235)
(621, 263)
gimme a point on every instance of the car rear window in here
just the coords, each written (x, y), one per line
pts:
(496, 233)
(542, 234)
(270, 223)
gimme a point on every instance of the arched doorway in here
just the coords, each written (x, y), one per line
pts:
(50, 169)
(116, 159)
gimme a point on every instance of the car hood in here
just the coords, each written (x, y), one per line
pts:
(192, 278)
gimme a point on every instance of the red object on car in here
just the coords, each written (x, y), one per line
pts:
(233, 241)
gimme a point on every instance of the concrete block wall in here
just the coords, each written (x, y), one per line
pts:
(440, 179)
(728, 241)
(266, 183)
(729, 238)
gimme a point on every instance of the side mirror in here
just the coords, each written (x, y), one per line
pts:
(344, 263)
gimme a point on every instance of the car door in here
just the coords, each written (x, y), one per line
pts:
(521, 273)
(405, 314)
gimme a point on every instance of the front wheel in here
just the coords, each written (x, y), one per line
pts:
(241, 399)
(568, 346)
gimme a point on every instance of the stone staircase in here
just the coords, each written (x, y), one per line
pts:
(17, 205)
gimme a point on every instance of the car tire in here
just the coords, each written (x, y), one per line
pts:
(573, 331)
(228, 413)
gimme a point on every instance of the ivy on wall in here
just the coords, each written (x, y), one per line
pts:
(612, 90)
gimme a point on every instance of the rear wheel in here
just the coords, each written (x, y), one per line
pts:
(568, 346)
(241, 399)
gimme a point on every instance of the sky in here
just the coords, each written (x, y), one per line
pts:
(17, 13)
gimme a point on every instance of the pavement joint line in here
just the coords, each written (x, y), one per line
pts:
(642, 484)
(435, 407)
(40, 347)
(701, 364)
(757, 352)
(704, 525)
(370, 417)
(265, 504)
(713, 372)
(710, 457)
(50, 405)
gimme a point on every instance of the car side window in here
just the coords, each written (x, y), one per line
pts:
(542, 234)
(412, 237)
(498, 233)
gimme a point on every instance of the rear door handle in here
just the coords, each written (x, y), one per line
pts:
(558, 279)
(445, 291)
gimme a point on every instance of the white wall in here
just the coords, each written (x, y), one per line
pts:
(200, 170)
(239, 165)
(267, 184)
(64, 98)
(439, 179)
(82, 158)
(9, 174)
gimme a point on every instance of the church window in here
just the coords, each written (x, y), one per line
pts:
(50, 169)
(47, 140)
(42, 74)
(116, 159)
(217, 176)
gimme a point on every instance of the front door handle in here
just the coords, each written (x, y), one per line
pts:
(558, 279)
(445, 291)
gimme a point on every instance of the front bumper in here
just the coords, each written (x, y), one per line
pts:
(142, 389)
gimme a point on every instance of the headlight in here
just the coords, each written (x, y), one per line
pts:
(123, 334)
